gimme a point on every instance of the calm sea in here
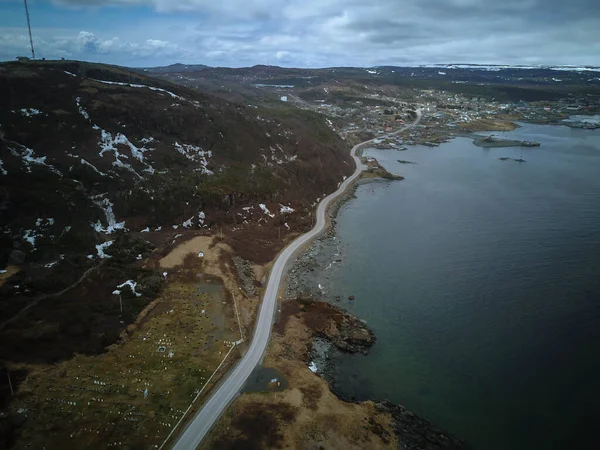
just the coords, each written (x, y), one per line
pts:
(481, 280)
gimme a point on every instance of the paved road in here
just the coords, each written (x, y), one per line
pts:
(228, 390)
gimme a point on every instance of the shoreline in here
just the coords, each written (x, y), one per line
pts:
(296, 325)
(411, 429)
(293, 355)
(314, 259)
(215, 407)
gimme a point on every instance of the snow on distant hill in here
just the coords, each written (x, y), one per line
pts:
(498, 67)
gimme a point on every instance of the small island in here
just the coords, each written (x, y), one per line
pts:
(506, 158)
(492, 141)
(585, 122)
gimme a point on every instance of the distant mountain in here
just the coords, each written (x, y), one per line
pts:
(497, 67)
(472, 73)
(506, 83)
(173, 68)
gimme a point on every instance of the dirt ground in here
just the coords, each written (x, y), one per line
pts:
(10, 271)
(216, 262)
(306, 415)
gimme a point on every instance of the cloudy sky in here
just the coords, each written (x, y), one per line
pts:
(306, 33)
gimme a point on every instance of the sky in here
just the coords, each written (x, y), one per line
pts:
(305, 33)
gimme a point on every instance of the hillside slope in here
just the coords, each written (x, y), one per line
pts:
(155, 153)
(99, 165)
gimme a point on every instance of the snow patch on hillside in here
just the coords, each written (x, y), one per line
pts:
(132, 285)
(30, 112)
(108, 143)
(44, 222)
(152, 88)
(195, 154)
(85, 163)
(82, 110)
(2, 169)
(496, 68)
(30, 236)
(50, 265)
(106, 205)
(266, 210)
(29, 157)
(282, 159)
(101, 247)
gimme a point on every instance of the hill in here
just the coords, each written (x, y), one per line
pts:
(178, 67)
(503, 83)
(100, 165)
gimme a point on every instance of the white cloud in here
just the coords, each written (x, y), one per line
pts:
(325, 33)
(86, 45)
(283, 55)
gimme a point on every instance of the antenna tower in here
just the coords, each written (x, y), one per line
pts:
(29, 26)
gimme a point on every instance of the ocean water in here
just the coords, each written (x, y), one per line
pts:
(481, 280)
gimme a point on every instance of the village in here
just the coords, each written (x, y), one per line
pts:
(445, 115)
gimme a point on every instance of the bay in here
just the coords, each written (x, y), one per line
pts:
(481, 280)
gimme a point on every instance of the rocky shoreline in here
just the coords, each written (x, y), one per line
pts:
(343, 332)
(335, 330)
(417, 433)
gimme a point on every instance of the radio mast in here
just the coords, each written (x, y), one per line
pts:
(29, 26)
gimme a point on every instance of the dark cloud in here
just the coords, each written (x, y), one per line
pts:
(355, 32)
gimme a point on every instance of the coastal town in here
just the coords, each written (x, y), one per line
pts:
(444, 115)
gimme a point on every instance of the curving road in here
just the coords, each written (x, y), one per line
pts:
(228, 390)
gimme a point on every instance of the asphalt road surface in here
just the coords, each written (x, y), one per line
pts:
(228, 390)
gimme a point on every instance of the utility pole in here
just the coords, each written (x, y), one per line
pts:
(29, 27)
(121, 302)
(10, 383)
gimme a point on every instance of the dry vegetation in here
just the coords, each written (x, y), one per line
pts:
(172, 350)
(306, 415)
